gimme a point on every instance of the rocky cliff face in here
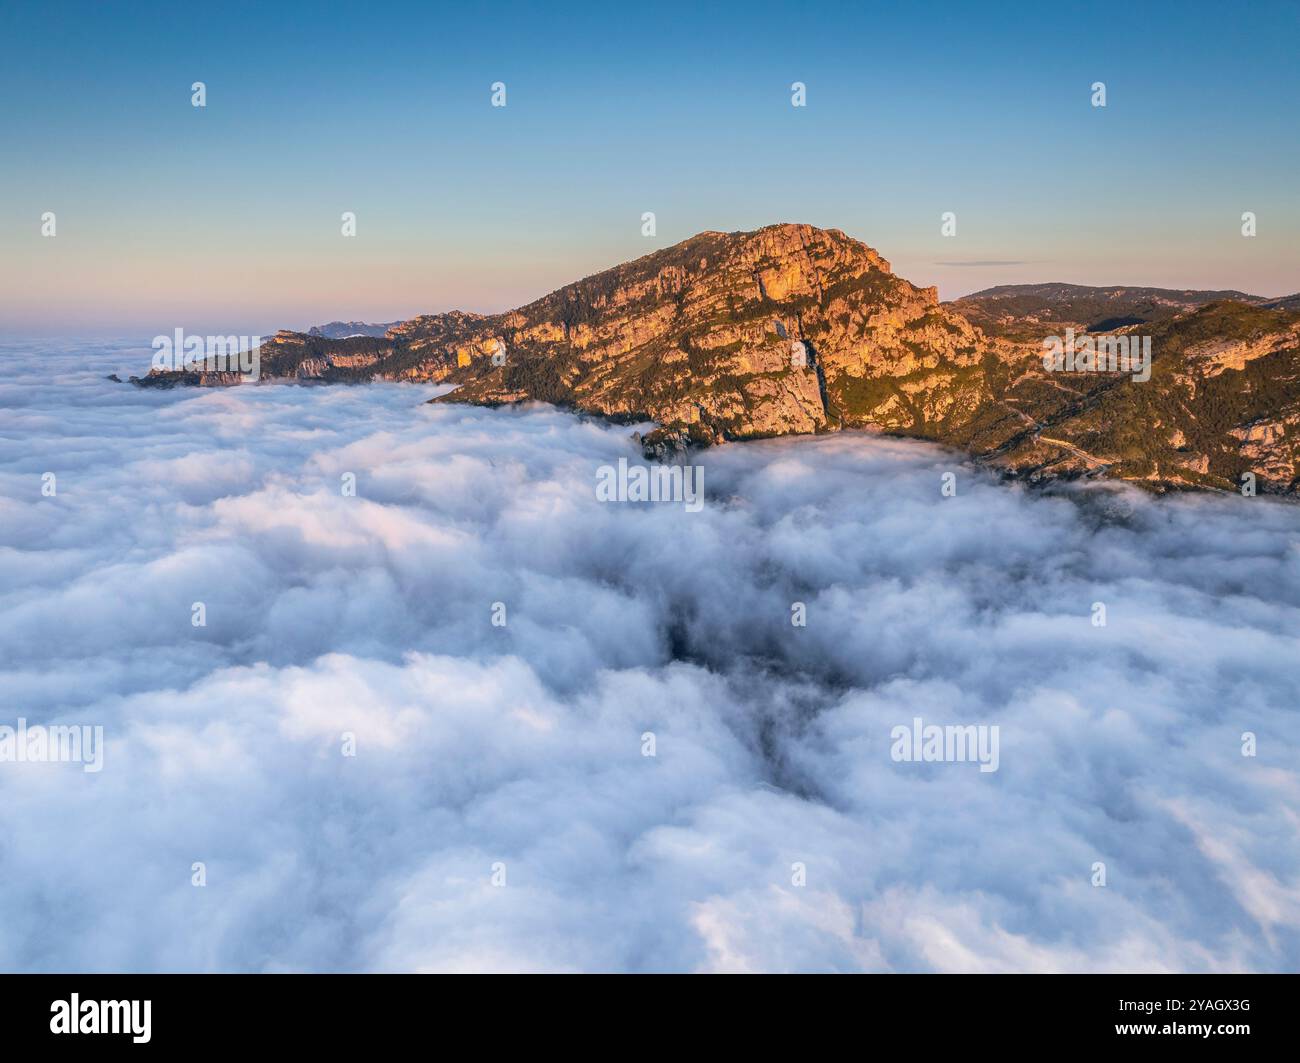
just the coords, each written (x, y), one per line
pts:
(793, 329)
(1223, 400)
(729, 337)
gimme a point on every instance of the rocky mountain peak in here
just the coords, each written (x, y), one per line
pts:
(793, 329)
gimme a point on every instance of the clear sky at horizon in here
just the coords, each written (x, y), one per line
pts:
(227, 218)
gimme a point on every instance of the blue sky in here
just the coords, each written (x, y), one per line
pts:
(228, 216)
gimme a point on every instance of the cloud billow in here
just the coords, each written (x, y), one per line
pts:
(521, 745)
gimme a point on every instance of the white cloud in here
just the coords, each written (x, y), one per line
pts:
(521, 745)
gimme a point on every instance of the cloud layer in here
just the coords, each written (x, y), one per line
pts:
(521, 746)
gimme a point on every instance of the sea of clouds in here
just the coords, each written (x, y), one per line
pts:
(521, 746)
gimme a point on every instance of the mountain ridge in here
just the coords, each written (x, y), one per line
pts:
(791, 329)
(344, 330)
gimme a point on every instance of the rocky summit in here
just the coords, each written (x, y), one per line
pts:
(792, 329)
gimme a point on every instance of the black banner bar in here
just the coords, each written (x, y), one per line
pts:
(1215, 1013)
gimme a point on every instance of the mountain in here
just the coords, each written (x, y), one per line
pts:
(1223, 399)
(342, 330)
(1023, 309)
(791, 329)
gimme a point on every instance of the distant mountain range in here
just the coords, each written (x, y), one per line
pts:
(793, 329)
(342, 330)
(1016, 309)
